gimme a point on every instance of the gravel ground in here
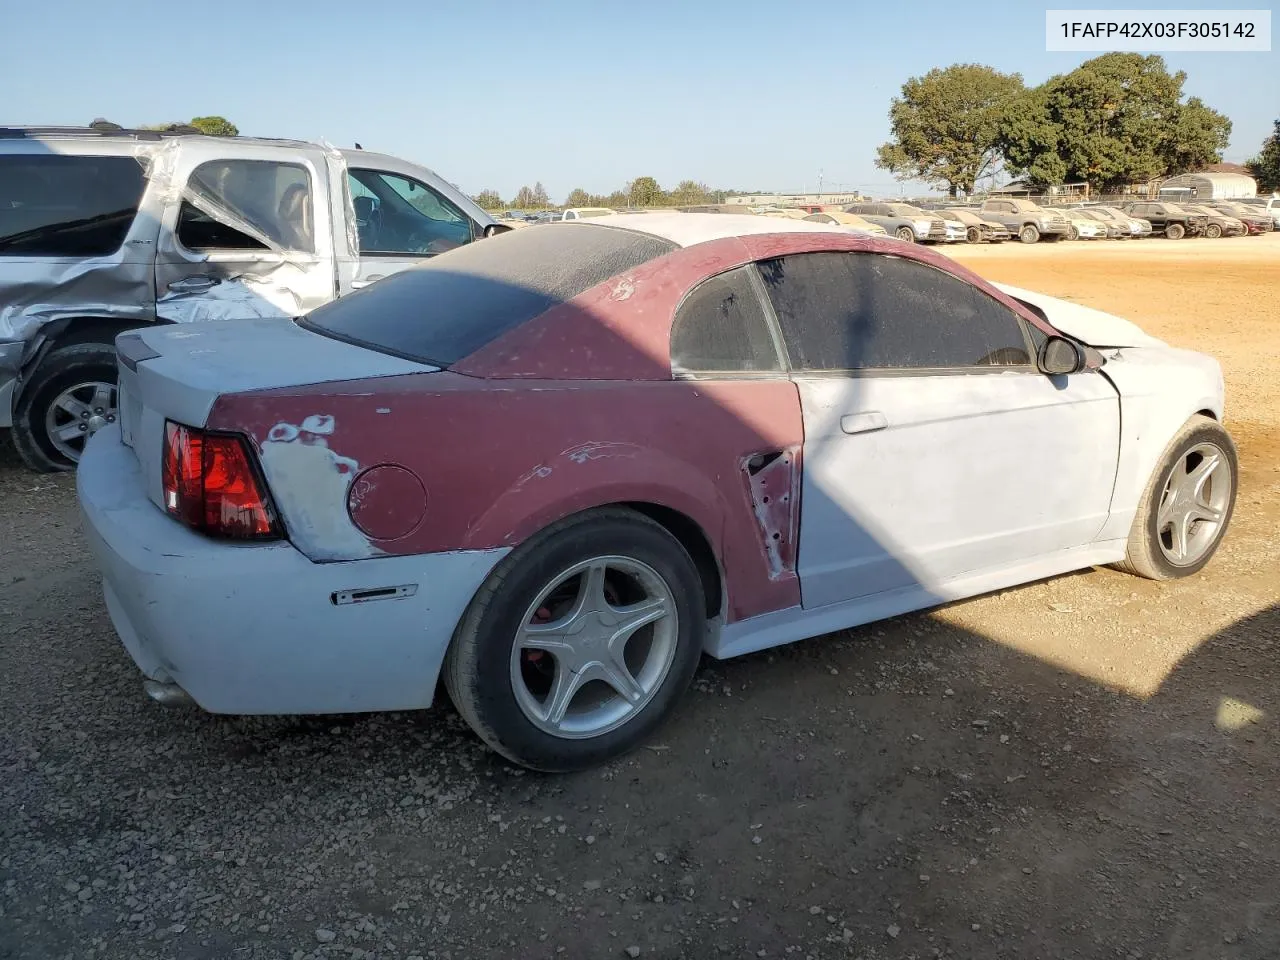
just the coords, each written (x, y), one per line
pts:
(1084, 767)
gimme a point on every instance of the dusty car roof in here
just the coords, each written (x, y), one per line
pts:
(687, 229)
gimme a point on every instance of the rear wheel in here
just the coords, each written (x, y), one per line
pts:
(1213, 231)
(1174, 231)
(71, 396)
(580, 643)
(973, 235)
(906, 234)
(1184, 512)
(1073, 232)
(1029, 234)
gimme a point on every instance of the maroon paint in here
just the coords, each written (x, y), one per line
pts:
(621, 329)
(618, 330)
(503, 459)
(577, 409)
(387, 502)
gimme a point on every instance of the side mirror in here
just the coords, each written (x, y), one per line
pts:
(493, 229)
(1060, 356)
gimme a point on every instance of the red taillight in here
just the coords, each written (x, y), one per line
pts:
(211, 485)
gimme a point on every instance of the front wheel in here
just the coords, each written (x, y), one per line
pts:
(1213, 231)
(1029, 234)
(973, 235)
(906, 235)
(581, 641)
(1184, 511)
(71, 396)
(1073, 233)
(1174, 231)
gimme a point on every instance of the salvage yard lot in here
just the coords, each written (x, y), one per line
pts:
(1082, 767)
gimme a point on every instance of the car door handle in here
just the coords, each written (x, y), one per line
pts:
(361, 284)
(867, 422)
(194, 284)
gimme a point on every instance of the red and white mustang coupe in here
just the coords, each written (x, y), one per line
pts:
(560, 465)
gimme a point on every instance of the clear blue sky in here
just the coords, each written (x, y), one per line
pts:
(497, 93)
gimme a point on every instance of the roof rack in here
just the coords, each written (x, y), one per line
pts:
(14, 133)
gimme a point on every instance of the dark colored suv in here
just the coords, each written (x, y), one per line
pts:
(1168, 218)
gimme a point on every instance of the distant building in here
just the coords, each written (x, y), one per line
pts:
(1208, 186)
(792, 199)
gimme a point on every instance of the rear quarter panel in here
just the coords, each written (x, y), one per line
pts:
(501, 460)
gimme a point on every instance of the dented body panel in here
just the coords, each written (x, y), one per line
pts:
(260, 629)
(502, 460)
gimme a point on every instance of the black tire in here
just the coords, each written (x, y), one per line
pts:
(477, 667)
(61, 369)
(1073, 232)
(1213, 231)
(1144, 556)
(1029, 234)
(905, 234)
(1175, 231)
(973, 235)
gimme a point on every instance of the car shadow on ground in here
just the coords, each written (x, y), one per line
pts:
(908, 788)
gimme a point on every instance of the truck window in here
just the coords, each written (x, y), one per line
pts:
(273, 200)
(397, 215)
(64, 206)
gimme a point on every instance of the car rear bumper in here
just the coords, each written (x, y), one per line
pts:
(259, 628)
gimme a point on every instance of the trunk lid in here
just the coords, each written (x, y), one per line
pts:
(176, 372)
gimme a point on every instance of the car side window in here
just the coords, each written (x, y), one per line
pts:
(721, 327)
(247, 205)
(868, 311)
(398, 215)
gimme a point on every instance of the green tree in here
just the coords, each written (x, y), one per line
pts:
(1114, 120)
(488, 199)
(645, 192)
(579, 198)
(524, 199)
(540, 198)
(689, 192)
(1265, 167)
(215, 126)
(618, 200)
(946, 125)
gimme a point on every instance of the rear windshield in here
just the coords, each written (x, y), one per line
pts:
(52, 205)
(447, 308)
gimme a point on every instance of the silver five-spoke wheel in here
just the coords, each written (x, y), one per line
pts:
(594, 646)
(1193, 504)
(77, 413)
(1185, 509)
(580, 642)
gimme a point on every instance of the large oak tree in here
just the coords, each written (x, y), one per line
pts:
(946, 125)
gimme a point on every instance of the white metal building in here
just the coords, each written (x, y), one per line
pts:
(1208, 186)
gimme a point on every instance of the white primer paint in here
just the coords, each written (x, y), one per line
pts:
(310, 483)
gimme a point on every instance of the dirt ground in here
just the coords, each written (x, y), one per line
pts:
(1083, 767)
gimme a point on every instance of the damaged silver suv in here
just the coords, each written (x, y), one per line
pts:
(106, 230)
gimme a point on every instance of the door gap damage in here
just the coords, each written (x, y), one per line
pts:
(771, 478)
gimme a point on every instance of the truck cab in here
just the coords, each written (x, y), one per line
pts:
(102, 231)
